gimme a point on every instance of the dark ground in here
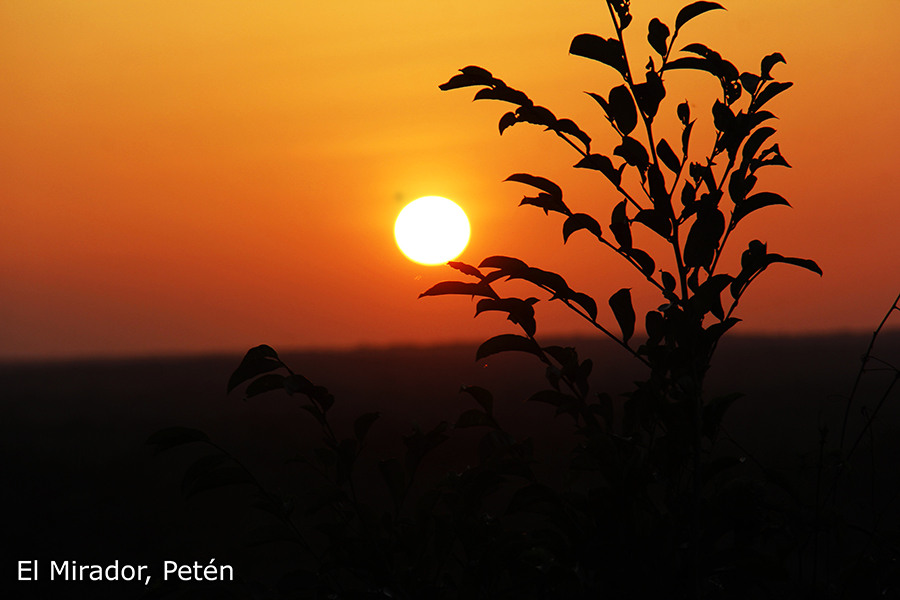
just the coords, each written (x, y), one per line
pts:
(80, 484)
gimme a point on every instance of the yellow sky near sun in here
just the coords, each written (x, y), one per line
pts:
(191, 176)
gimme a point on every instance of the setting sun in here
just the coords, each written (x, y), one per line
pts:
(432, 230)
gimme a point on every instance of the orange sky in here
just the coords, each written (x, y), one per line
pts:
(210, 175)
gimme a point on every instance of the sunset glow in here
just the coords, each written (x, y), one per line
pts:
(156, 155)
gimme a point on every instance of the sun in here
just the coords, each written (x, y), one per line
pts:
(432, 230)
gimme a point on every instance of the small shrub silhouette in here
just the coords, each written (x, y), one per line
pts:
(647, 507)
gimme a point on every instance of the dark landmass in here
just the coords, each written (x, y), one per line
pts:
(81, 484)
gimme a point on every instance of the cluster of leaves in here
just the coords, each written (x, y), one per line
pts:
(680, 337)
(645, 508)
(692, 202)
(444, 541)
(492, 530)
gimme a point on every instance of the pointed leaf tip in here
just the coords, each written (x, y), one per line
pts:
(695, 9)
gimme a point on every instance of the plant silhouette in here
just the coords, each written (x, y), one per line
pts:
(659, 464)
(646, 504)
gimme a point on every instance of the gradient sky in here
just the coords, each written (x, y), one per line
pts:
(210, 175)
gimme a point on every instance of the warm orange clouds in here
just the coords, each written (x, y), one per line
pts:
(209, 175)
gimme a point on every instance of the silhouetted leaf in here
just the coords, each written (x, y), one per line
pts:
(581, 221)
(657, 34)
(463, 288)
(536, 115)
(547, 203)
(694, 63)
(750, 82)
(258, 360)
(703, 238)
(649, 94)
(804, 263)
(465, 269)
(655, 324)
(753, 144)
(569, 126)
(620, 302)
(599, 162)
(482, 396)
(602, 102)
(167, 438)
(751, 120)
(756, 259)
(620, 226)
(701, 172)
(586, 302)
(769, 92)
(263, 384)
(684, 113)
(711, 62)
(316, 412)
(564, 403)
(622, 109)
(541, 183)
(507, 342)
(566, 356)
(294, 384)
(708, 295)
(363, 423)
(644, 260)
(768, 62)
(506, 264)
(739, 185)
(655, 220)
(470, 76)
(668, 281)
(717, 330)
(520, 312)
(504, 93)
(607, 51)
(507, 120)
(668, 156)
(692, 10)
(723, 117)
(634, 153)
(755, 202)
(545, 279)
(768, 157)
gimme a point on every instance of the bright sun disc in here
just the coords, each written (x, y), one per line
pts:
(432, 230)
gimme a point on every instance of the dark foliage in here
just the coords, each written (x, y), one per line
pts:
(646, 505)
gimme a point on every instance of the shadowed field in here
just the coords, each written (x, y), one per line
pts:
(80, 484)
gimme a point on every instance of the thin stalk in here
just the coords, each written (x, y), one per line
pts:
(629, 81)
(600, 327)
(866, 357)
(619, 187)
(871, 419)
